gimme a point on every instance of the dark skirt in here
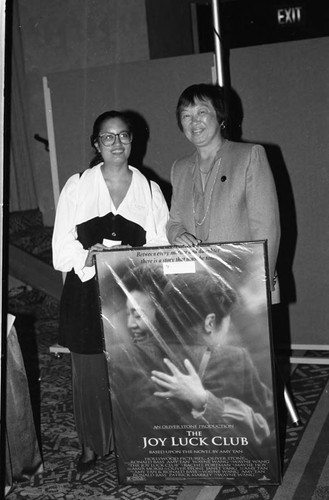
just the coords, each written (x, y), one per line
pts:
(91, 402)
(80, 327)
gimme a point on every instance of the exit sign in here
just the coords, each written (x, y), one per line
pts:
(286, 16)
(254, 22)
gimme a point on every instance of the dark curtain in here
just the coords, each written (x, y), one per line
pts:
(22, 194)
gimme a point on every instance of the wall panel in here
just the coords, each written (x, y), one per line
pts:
(284, 91)
(148, 88)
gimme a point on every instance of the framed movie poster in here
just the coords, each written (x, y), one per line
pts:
(187, 335)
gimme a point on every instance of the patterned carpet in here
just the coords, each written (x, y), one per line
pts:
(50, 388)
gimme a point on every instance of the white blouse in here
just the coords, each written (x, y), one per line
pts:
(83, 198)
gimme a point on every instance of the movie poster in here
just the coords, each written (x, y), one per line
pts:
(187, 335)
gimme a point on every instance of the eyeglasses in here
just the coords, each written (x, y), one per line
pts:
(109, 138)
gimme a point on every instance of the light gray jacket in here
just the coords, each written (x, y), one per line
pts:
(243, 201)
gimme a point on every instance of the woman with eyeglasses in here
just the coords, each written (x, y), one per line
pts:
(109, 204)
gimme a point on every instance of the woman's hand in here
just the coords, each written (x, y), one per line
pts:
(187, 239)
(99, 247)
(180, 386)
(116, 247)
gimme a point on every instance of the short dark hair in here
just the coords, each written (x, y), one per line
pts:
(202, 92)
(189, 298)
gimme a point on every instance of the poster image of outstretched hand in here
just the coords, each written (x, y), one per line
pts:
(187, 336)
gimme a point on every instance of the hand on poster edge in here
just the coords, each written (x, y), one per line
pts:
(99, 247)
(187, 239)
